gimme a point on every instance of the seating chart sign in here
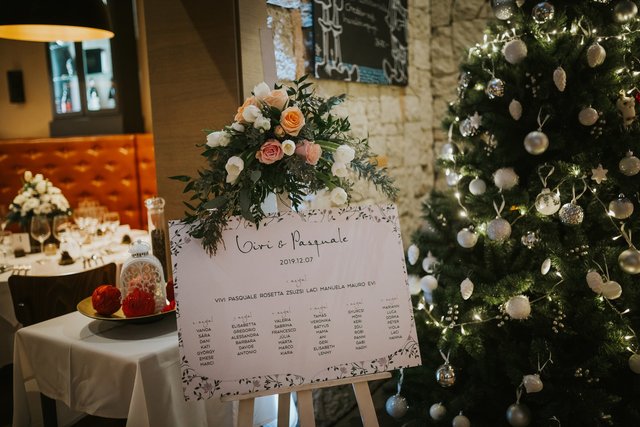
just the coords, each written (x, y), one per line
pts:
(307, 297)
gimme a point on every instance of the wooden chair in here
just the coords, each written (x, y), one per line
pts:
(39, 298)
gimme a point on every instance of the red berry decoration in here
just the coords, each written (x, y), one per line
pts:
(170, 293)
(106, 300)
(138, 303)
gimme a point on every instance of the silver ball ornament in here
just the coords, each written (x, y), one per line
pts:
(547, 202)
(498, 229)
(621, 208)
(536, 142)
(571, 214)
(461, 421)
(514, 51)
(624, 11)
(629, 165)
(543, 12)
(505, 178)
(518, 307)
(477, 187)
(447, 151)
(503, 9)
(518, 415)
(588, 116)
(467, 238)
(396, 406)
(467, 128)
(446, 375)
(634, 363)
(495, 88)
(530, 239)
(428, 283)
(629, 261)
(437, 411)
(452, 178)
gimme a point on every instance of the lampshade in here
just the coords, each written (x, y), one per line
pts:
(51, 20)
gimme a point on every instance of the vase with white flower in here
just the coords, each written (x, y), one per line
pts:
(284, 140)
(37, 197)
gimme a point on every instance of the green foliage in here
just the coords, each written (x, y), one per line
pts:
(588, 337)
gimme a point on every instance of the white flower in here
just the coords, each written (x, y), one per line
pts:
(234, 166)
(54, 190)
(344, 154)
(251, 113)
(261, 91)
(27, 176)
(289, 147)
(37, 178)
(19, 199)
(41, 187)
(338, 196)
(238, 127)
(339, 169)
(262, 123)
(218, 139)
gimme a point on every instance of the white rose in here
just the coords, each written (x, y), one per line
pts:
(288, 147)
(338, 196)
(344, 154)
(339, 169)
(238, 127)
(27, 176)
(38, 178)
(19, 199)
(54, 190)
(41, 187)
(262, 123)
(234, 166)
(218, 139)
(251, 113)
(261, 91)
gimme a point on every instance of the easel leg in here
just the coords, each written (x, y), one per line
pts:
(365, 404)
(305, 409)
(245, 413)
(283, 409)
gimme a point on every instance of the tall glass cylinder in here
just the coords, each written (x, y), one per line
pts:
(159, 233)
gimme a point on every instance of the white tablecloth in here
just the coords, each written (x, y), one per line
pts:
(109, 369)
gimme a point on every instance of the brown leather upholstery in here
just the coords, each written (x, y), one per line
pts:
(116, 170)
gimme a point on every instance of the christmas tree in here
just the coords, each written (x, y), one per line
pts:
(526, 278)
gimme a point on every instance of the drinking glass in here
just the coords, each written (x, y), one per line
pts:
(6, 246)
(111, 221)
(4, 217)
(40, 229)
(61, 227)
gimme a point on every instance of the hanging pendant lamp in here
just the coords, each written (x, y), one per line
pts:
(51, 20)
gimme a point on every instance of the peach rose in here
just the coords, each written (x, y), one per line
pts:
(279, 131)
(270, 152)
(309, 151)
(292, 120)
(278, 98)
(249, 101)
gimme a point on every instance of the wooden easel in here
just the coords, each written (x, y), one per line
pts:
(305, 401)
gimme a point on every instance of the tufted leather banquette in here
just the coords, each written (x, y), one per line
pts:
(116, 170)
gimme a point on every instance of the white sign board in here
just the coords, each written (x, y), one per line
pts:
(307, 297)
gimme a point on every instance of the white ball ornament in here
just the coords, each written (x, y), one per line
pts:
(514, 51)
(596, 55)
(413, 253)
(466, 289)
(437, 411)
(505, 178)
(518, 307)
(588, 116)
(460, 421)
(477, 187)
(467, 238)
(536, 142)
(498, 229)
(532, 383)
(629, 165)
(560, 79)
(503, 9)
(452, 178)
(428, 283)
(515, 109)
(634, 363)
(547, 202)
(397, 406)
(414, 284)
(629, 261)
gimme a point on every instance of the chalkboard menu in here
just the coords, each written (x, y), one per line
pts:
(361, 40)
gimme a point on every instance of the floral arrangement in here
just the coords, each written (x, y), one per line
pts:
(285, 141)
(37, 197)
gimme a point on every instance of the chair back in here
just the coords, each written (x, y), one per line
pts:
(39, 298)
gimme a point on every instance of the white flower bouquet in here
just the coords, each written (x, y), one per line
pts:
(284, 140)
(38, 196)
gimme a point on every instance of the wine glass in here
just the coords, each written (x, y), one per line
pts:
(61, 227)
(4, 217)
(111, 221)
(40, 229)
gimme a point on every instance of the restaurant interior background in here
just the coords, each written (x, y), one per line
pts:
(196, 61)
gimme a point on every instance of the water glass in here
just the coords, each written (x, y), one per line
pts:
(40, 229)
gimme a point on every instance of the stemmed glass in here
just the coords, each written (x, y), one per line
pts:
(111, 221)
(40, 229)
(4, 217)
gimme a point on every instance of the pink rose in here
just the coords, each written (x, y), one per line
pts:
(309, 151)
(278, 98)
(292, 120)
(270, 152)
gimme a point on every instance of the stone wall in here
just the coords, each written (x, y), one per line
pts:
(402, 123)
